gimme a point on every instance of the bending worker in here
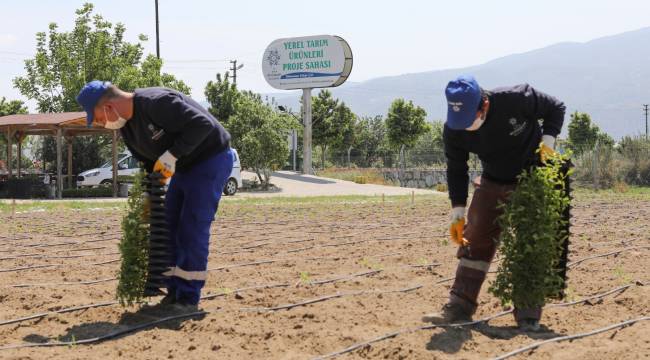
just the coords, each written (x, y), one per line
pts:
(174, 135)
(503, 127)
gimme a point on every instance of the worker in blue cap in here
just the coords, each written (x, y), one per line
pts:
(174, 135)
(502, 127)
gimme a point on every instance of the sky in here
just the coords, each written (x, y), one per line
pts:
(198, 38)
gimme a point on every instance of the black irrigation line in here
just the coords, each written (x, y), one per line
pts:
(533, 346)
(67, 283)
(329, 297)
(22, 268)
(575, 263)
(569, 265)
(112, 334)
(429, 327)
(61, 311)
(204, 297)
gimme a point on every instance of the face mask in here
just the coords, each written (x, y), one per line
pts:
(478, 122)
(114, 125)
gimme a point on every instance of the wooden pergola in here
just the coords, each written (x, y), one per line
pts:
(69, 125)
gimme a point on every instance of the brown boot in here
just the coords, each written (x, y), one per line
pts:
(449, 314)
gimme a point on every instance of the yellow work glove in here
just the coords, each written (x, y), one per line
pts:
(457, 226)
(546, 147)
(165, 165)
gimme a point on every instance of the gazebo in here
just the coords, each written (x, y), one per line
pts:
(60, 125)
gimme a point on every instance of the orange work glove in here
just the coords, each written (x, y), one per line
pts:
(457, 226)
(546, 147)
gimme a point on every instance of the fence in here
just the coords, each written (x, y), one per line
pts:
(604, 166)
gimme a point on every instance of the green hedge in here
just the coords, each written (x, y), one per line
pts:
(100, 191)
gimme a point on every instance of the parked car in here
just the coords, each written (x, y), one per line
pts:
(128, 165)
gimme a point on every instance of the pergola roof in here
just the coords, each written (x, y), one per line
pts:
(73, 123)
(67, 124)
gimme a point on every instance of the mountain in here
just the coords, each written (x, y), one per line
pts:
(609, 78)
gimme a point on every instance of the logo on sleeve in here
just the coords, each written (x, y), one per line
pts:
(156, 133)
(517, 128)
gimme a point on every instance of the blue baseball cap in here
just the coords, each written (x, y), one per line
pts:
(89, 96)
(463, 97)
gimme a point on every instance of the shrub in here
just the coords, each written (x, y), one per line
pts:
(442, 187)
(134, 246)
(100, 191)
(532, 238)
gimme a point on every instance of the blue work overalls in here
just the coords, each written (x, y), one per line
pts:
(191, 204)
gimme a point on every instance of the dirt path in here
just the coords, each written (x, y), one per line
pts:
(363, 268)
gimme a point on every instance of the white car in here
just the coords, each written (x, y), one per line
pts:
(128, 165)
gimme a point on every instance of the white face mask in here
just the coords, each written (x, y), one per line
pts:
(114, 125)
(478, 122)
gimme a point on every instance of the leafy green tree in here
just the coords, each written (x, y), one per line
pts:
(370, 140)
(324, 131)
(10, 107)
(222, 95)
(406, 123)
(345, 121)
(259, 133)
(583, 134)
(65, 61)
(429, 147)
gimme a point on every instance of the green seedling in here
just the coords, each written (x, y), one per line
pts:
(134, 247)
(304, 277)
(531, 238)
(622, 275)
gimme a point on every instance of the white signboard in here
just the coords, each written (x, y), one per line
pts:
(307, 62)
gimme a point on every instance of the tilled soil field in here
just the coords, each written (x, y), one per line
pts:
(342, 278)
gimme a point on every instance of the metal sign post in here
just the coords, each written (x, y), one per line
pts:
(306, 140)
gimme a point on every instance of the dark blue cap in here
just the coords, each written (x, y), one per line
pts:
(89, 96)
(463, 97)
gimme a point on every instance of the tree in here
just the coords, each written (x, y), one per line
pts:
(429, 147)
(344, 121)
(66, 61)
(324, 132)
(259, 133)
(11, 107)
(222, 95)
(406, 123)
(583, 134)
(372, 140)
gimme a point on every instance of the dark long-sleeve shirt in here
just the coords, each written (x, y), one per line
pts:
(506, 142)
(165, 119)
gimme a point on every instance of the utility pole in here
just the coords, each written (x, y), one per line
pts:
(157, 33)
(234, 69)
(645, 108)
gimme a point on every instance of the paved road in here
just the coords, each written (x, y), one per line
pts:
(290, 183)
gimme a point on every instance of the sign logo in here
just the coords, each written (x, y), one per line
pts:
(273, 57)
